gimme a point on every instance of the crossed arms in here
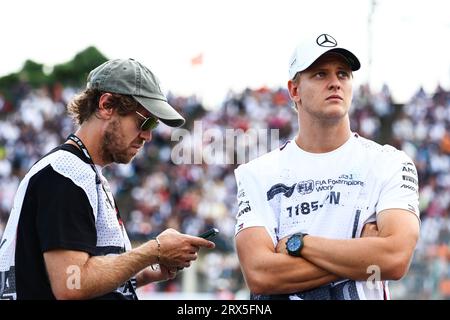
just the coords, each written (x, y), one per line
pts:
(270, 270)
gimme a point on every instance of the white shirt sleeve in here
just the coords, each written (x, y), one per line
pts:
(400, 190)
(253, 208)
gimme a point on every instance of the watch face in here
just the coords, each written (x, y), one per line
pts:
(293, 244)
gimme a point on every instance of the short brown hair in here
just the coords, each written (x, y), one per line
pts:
(296, 78)
(85, 104)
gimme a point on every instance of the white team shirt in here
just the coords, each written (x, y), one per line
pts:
(330, 195)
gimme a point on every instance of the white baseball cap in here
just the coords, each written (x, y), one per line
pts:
(312, 48)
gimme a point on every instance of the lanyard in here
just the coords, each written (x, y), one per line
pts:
(83, 148)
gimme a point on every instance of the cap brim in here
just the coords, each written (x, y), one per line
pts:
(350, 57)
(162, 110)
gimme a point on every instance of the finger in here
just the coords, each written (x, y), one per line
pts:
(192, 257)
(200, 242)
(193, 249)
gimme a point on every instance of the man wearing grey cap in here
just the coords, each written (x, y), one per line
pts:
(330, 214)
(65, 238)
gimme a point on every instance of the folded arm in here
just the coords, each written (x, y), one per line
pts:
(391, 251)
(269, 272)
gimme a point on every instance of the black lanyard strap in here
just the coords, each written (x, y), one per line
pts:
(83, 148)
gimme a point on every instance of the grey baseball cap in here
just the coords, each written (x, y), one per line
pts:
(129, 77)
(310, 49)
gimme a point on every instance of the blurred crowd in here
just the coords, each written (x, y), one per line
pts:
(154, 193)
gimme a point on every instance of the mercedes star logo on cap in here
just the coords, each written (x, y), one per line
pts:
(325, 40)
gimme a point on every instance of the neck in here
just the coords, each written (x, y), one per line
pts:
(321, 138)
(91, 136)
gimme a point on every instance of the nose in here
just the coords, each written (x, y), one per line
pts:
(335, 83)
(146, 135)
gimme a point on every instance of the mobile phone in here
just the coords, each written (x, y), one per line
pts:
(209, 234)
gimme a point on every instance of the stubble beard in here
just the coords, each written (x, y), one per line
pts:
(113, 147)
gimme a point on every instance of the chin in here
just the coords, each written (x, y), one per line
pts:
(124, 159)
(335, 113)
(129, 158)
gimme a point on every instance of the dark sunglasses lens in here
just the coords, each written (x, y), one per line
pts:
(149, 124)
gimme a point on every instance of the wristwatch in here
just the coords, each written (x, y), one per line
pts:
(294, 244)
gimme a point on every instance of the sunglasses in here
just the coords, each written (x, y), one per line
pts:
(149, 123)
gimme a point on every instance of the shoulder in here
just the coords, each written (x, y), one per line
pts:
(62, 160)
(67, 163)
(47, 177)
(62, 166)
(383, 153)
(385, 161)
(60, 169)
(70, 165)
(51, 187)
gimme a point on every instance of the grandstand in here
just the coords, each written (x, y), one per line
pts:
(154, 193)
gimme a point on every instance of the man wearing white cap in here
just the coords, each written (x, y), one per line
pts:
(330, 214)
(65, 238)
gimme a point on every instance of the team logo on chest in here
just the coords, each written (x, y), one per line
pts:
(305, 187)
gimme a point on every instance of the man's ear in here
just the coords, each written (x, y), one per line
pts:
(294, 91)
(104, 110)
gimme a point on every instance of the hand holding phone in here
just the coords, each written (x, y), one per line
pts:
(206, 235)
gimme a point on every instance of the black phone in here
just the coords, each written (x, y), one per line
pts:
(209, 234)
